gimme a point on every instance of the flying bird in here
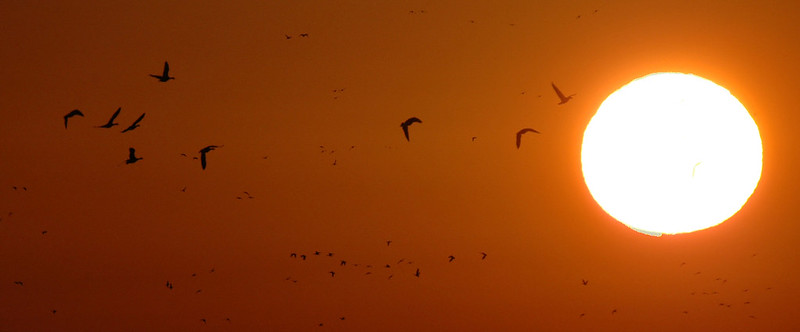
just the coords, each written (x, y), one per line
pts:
(388, 243)
(451, 258)
(584, 282)
(332, 273)
(111, 122)
(165, 76)
(343, 263)
(416, 274)
(169, 285)
(484, 255)
(203, 152)
(294, 255)
(564, 99)
(135, 124)
(19, 283)
(71, 114)
(132, 156)
(407, 123)
(522, 131)
(303, 257)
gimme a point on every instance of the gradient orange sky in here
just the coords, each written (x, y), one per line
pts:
(117, 233)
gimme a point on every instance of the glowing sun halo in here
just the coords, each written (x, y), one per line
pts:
(671, 153)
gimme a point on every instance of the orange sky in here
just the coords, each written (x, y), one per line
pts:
(117, 233)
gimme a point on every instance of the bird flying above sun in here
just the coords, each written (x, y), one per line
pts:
(671, 153)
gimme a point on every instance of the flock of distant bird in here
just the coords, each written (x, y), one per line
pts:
(132, 158)
(562, 100)
(164, 77)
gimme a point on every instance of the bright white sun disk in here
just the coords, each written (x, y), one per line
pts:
(671, 153)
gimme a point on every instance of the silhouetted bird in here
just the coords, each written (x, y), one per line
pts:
(407, 123)
(564, 99)
(53, 311)
(341, 318)
(388, 243)
(473, 138)
(451, 258)
(111, 122)
(303, 257)
(169, 285)
(484, 255)
(165, 76)
(203, 152)
(330, 254)
(316, 253)
(135, 124)
(293, 255)
(44, 232)
(19, 283)
(332, 273)
(584, 282)
(522, 131)
(416, 274)
(343, 263)
(288, 37)
(614, 311)
(303, 35)
(203, 320)
(71, 114)
(228, 319)
(132, 156)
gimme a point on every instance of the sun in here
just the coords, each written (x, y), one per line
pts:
(671, 153)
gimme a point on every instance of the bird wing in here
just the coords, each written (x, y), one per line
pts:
(114, 116)
(131, 153)
(558, 92)
(405, 131)
(156, 76)
(73, 113)
(412, 120)
(203, 160)
(166, 69)
(137, 120)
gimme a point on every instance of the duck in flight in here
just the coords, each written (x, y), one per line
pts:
(564, 99)
(522, 131)
(165, 76)
(203, 152)
(407, 123)
(71, 114)
(135, 124)
(111, 122)
(451, 258)
(132, 156)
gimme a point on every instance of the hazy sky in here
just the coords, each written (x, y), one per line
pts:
(286, 110)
